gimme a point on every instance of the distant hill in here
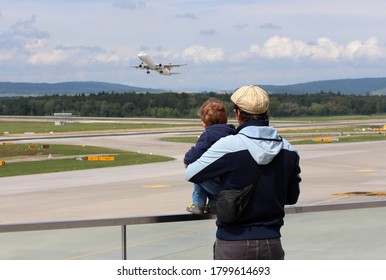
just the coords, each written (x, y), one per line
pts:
(372, 86)
(362, 86)
(8, 88)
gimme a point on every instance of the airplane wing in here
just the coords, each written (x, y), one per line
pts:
(175, 65)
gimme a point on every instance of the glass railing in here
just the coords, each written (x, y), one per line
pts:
(338, 231)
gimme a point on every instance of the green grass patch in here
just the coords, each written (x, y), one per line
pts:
(32, 149)
(295, 138)
(332, 118)
(364, 138)
(326, 130)
(182, 139)
(23, 160)
(346, 139)
(19, 127)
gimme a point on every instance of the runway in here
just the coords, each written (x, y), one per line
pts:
(155, 189)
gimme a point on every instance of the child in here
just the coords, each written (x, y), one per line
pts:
(214, 119)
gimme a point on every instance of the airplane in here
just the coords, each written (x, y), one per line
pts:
(148, 64)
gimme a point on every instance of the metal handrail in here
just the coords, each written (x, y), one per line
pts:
(125, 221)
(122, 222)
(17, 227)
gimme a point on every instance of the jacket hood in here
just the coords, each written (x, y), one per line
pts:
(265, 144)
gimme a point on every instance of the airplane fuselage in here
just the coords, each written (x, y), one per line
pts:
(149, 64)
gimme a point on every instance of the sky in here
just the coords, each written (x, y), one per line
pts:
(226, 44)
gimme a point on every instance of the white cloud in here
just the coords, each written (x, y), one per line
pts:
(26, 29)
(6, 55)
(21, 35)
(281, 47)
(107, 58)
(369, 48)
(200, 54)
(75, 55)
(50, 57)
(240, 57)
(323, 50)
(35, 44)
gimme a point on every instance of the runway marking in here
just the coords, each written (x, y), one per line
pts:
(340, 196)
(362, 194)
(367, 170)
(156, 186)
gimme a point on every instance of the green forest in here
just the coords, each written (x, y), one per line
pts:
(186, 105)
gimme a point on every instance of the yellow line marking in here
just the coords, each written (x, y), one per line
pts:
(156, 186)
(367, 170)
(362, 194)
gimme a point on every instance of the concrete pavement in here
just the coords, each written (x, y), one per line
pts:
(159, 188)
(155, 189)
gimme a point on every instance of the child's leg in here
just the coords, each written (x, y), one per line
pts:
(199, 195)
(198, 199)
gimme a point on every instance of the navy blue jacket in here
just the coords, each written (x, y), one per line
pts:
(236, 159)
(211, 135)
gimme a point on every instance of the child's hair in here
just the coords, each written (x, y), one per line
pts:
(213, 112)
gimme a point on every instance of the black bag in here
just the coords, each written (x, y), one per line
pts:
(231, 204)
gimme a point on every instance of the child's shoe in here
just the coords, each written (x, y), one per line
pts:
(195, 209)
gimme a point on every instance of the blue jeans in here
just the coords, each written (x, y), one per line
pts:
(206, 190)
(264, 249)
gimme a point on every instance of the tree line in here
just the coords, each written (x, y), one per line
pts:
(184, 105)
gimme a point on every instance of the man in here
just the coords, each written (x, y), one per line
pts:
(258, 153)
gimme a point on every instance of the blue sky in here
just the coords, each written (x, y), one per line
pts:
(226, 44)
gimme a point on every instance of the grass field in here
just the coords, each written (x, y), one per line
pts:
(347, 139)
(46, 125)
(34, 158)
(23, 159)
(22, 127)
(345, 134)
(335, 118)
